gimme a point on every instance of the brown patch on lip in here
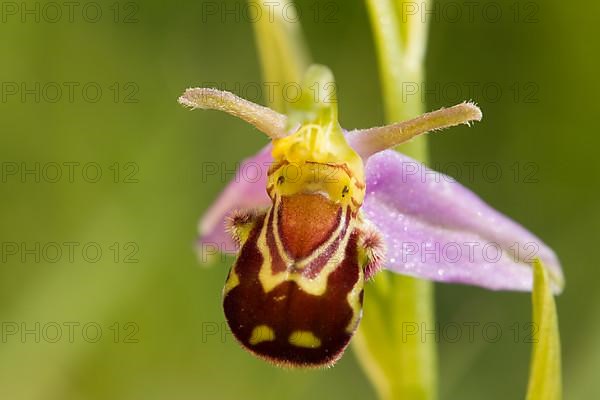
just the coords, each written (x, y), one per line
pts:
(306, 221)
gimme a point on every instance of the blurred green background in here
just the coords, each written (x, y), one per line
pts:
(533, 70)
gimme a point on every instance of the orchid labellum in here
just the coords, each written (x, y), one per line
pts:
(332, 209)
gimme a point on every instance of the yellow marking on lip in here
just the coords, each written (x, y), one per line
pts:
(275, 224)
(316, 286)
(353, 299)
(261, 333)
(304, 339)
(232, 281)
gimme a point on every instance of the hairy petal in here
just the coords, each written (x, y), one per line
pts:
(437, 229)
(367, 142)
(264, 119)
(246, 190)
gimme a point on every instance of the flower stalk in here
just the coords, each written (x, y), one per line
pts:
(400, 366)
(284, 55)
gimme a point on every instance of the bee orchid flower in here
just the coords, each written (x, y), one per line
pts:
(333, 207)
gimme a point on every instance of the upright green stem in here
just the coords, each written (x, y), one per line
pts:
(400, 365)
(283, 53)
(400, 41)
(391, 343)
